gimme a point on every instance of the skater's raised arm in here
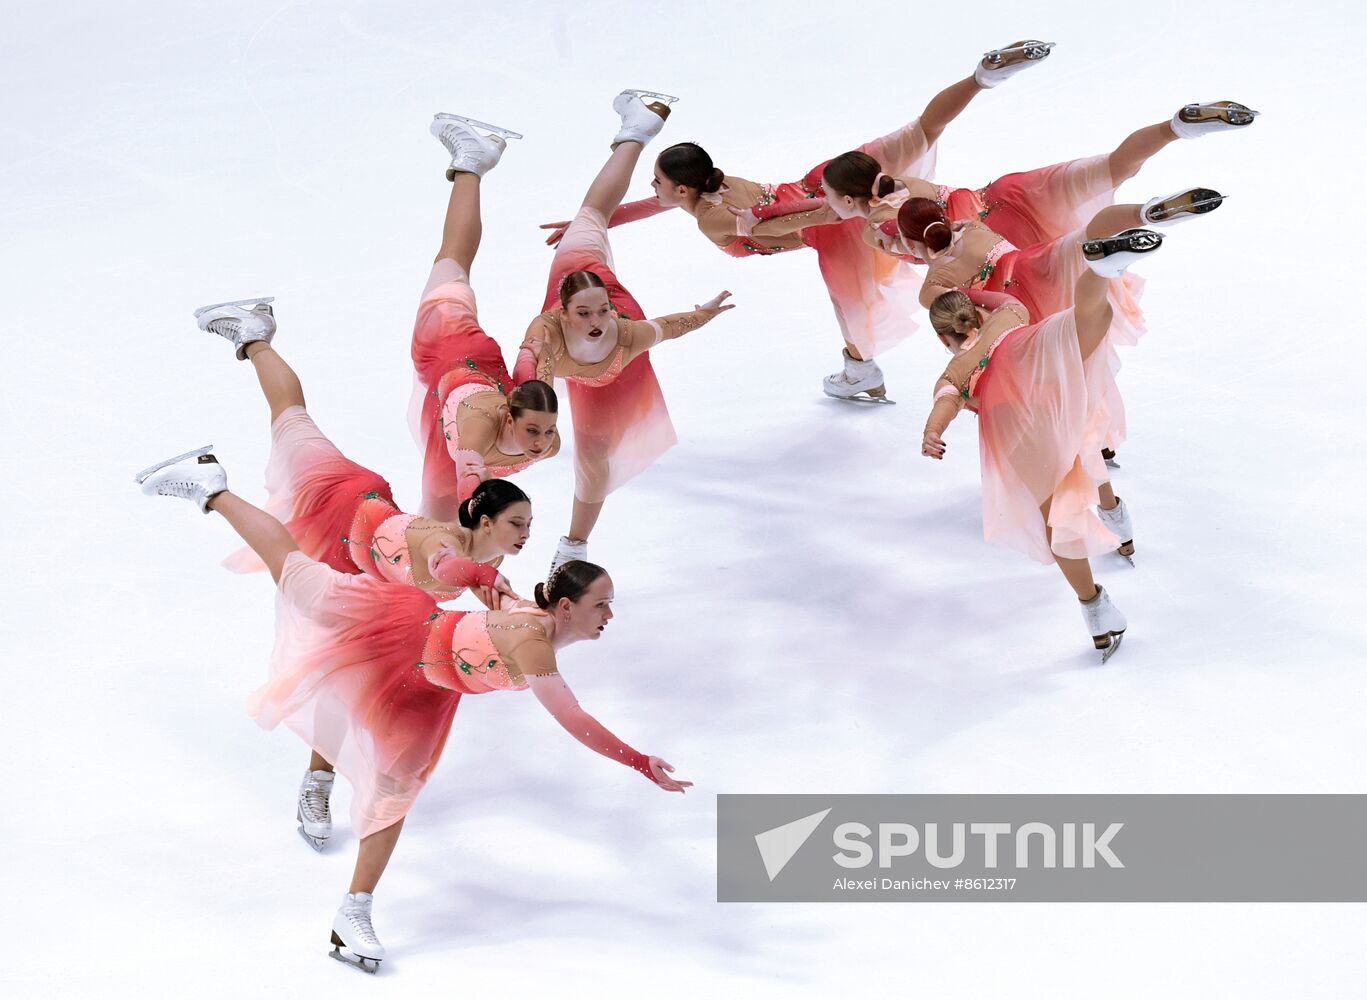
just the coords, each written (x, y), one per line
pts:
(675, 325)
(553, 693)
(631, 211)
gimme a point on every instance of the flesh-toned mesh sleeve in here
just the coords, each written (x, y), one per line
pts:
(782, 218)
(635, 211)
(552, 691)
(947, 406)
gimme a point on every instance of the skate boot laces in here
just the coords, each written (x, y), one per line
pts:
(358, 915)
(314, 799)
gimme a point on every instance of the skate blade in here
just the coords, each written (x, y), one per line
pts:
(244, 303)
(370, 966)
(1110, 650)
(864, 397)
(667, 98)
(1111, 463)
(141, 477)
(1128, 558)
(507, 133)
(317, 843)
(1031, 51)
(1229, 112)
(1197, 201)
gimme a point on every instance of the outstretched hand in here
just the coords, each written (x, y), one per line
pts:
(932, 445)
(559, 231)
(713, 306)
(658, 767)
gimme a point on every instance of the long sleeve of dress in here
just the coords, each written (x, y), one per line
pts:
(552, 691)
(459, 573)
(948, 402)
(635, 211)
(783, 218)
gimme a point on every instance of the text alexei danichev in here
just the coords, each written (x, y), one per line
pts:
(889, 884)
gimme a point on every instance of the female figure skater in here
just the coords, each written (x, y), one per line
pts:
(369, 674)
(344, 515)
(1040, 391)
(470, 421)
(872, 296)
(594, 334)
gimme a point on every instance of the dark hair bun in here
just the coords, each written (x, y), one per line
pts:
(539, 592)
(714, 182)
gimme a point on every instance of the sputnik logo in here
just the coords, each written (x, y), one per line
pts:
(777, 846)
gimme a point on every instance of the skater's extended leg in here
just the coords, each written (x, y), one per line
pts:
(947, 105)
(1137, 147)
(373, 857)
(1108, 498)
(279, 383)
(317, 762)
(265, 535)
(610, 186)
(463, 227)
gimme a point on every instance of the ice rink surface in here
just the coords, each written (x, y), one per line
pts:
(804, 604)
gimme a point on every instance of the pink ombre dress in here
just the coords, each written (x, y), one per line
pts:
(461, 386)
(621, 423)
(369, 674)
(342, 514)
(1042, 418)
(874, 296)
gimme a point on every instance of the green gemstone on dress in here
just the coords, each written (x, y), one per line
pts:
(374, 555)
(372, 495)
(982, 363)
(469, 362)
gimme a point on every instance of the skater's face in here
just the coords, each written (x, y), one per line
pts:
(533, 432)
(511, 529)
(589, 320)
(842, 204)
(589, 615)
(667, 191)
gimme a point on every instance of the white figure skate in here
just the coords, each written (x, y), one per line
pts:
(1111, 256)
(1117, 521)
(472, 151)
(859, 382)
(1195, 120)
(312, 811)
(1180, 206)
(195, 475)
(641, 121)
(1104, 622)
(243, 322)
(567, 550)
(352, 931)
(1000, 65)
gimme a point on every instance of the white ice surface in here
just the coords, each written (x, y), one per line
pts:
(804, 604)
